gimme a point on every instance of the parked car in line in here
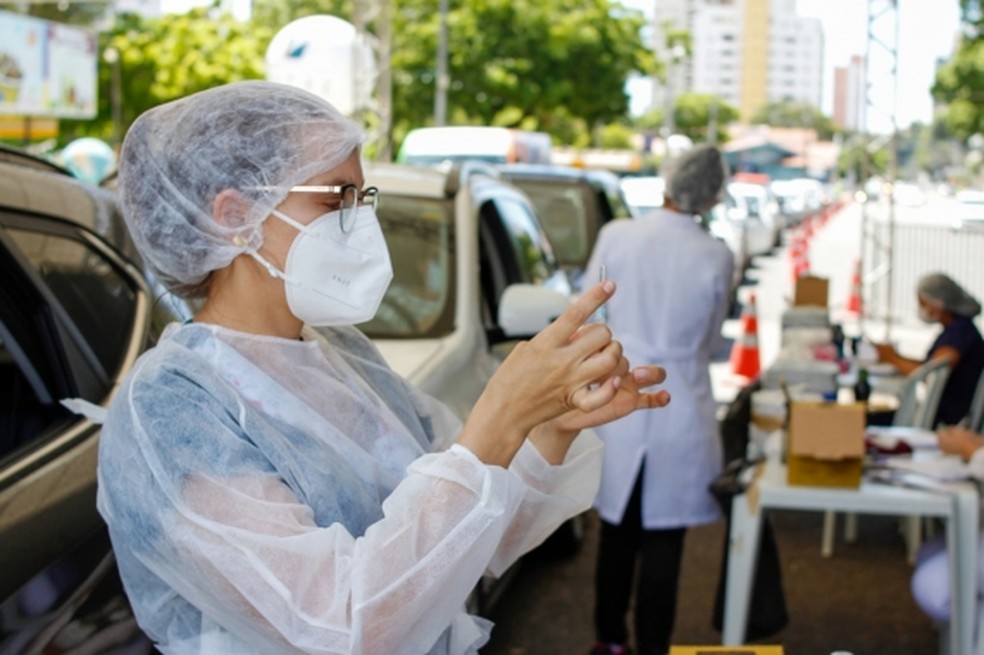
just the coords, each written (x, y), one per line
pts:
(430, 146)
(792, 201)
(473, 272)
(572, 205)
(761, 230)
(643, 193)
(76, 311)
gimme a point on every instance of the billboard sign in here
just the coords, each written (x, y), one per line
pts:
(46, 68)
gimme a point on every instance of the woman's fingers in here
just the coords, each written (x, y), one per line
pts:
(589, 398)
(567, 324)
(646, 376)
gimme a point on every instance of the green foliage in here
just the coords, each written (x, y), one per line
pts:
(615, 136)
(859, 162)
(960, 85)
(795, 114)
(277, 13)
(692, 113)
(167, 58)
(553, 65)
(537, 64)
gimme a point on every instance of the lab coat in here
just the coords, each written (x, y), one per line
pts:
(673, 281)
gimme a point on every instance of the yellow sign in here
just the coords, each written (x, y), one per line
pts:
(27, 128)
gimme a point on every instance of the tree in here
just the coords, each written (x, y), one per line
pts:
(170, 57)
(783, 113)
(959, 84)
(521, 63)
(692, 115)
(853, 165)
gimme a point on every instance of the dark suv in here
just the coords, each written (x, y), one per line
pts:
(75, 312)
(572, 204)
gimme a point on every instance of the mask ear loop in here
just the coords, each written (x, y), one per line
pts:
(251, 251)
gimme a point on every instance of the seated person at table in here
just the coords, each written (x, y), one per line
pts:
(942, 300)
(931, 578)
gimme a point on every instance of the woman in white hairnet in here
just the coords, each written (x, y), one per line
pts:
(272, 490)
(942, 300)
(674, 289)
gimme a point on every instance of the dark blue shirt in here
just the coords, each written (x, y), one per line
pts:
(961, 335)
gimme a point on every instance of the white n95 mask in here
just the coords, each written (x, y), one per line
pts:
(333, 277)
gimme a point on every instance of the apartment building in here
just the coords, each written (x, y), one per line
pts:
(748, 52)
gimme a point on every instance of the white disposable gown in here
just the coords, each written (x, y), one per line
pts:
(673, 283)
(266, 495)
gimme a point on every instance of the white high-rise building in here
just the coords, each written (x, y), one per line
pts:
(748, 52)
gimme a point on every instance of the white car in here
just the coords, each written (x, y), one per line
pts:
(473, 273)
(643, 193)
(761, 216)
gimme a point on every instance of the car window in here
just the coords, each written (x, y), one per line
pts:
(100, 302)
(563, 211)
(420, 300)
(529, 244)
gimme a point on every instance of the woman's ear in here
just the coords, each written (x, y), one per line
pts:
(229, 208)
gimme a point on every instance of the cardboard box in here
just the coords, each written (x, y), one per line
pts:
(811, 291)
(726, 650)
(825, 445)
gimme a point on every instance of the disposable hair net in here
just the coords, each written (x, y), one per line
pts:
(943, 290)
(258, 137)
(695, 178)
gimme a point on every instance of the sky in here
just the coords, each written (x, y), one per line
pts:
(927, 31)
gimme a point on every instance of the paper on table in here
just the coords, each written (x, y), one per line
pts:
(888, 436)
(946, 468)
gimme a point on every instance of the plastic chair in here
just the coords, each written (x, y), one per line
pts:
(919, 399)
(975, 417)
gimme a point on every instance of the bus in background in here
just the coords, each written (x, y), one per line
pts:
(427, 146)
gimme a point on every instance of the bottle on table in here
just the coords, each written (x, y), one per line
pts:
(862, 388)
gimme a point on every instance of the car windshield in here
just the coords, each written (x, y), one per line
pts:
(420, 300)
(563, 213)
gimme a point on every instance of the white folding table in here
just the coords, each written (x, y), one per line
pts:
(956, 503)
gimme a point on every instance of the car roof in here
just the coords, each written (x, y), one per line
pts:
(32, 185)
(544, 171)
(441, 181)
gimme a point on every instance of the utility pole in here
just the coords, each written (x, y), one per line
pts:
(441, 81)
(878, 238)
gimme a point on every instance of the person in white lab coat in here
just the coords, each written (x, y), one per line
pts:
(674, 280)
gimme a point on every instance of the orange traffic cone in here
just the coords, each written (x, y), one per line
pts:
(854, 300)
(745, 353)
(799, 255)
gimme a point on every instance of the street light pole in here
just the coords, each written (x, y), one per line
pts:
(441, 79)
(677, 53)
(112, 57)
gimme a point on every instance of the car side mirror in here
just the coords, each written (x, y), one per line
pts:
(525, 309)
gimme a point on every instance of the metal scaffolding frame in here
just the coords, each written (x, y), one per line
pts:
(878, 235)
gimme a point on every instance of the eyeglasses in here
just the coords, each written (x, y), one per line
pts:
(349, 198)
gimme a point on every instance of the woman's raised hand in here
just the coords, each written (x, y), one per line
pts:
(569, 367)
